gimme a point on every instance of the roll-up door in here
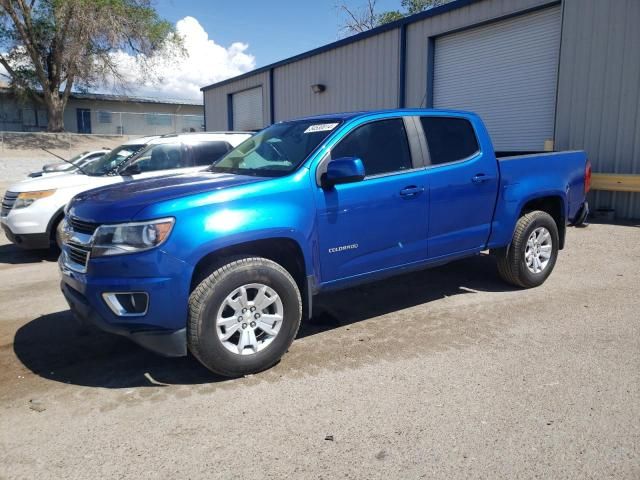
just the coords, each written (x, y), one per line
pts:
(247, 109)
(506, 72)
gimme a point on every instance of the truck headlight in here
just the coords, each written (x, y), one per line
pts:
(27, 198)
(130, 237)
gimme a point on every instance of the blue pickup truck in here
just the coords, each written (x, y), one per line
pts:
(225, 263)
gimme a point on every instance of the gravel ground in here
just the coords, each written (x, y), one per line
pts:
(22, 153)
(446, 373)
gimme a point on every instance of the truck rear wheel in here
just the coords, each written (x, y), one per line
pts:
(530, 258)
(244, 316)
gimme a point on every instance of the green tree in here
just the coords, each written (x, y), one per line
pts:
(411, 7)
(364, 18)
(50, 47)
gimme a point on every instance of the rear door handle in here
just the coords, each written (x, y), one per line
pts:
(411, 191)
(481, 178)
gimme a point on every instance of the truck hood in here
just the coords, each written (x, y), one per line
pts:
(121, 202)
(62, 180)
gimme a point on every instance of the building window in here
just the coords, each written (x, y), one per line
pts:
(104, 116)
(29, 117)
(158, 119)
(43, 118)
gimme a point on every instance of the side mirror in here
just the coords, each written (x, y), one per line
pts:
(133, 169)
(343, 170)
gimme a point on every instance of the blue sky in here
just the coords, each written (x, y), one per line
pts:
(224, 38)
(273, 29)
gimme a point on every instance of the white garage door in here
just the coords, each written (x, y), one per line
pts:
(247, 109)
(507, 73)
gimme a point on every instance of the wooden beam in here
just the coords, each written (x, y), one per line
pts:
(615, 182)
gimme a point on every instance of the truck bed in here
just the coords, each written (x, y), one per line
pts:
(548, 174)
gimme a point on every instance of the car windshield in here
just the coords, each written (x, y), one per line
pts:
(276, 150)
(89, 159)
(77, 157)
(109, 162)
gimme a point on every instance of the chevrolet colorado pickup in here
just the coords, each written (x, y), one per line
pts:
(225, 262)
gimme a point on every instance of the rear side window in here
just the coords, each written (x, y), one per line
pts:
(382, 146)
(205, 153)
(165, 156)
(449, 139)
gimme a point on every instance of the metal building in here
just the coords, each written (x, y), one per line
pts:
(543, 74)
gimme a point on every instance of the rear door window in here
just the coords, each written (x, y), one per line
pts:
(449, 139)
(381, 145)
(165, 156)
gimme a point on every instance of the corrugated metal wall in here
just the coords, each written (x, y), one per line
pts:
(418, 34)
(598, 107)
(215, 100)
(359, 76)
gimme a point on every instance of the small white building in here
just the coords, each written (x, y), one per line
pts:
(104, 114)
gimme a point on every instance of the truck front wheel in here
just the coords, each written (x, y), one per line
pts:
(244, 316)
(530, 258)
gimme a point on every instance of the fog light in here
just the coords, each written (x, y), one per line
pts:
(130, 304)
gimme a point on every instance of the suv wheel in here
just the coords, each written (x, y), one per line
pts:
(244, 316)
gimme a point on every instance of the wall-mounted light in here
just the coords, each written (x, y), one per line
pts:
(318, 88)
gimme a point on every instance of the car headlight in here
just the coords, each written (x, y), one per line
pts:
(27, 198)
(130, 237)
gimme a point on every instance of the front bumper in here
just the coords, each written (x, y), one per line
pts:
(169, 344)
(165, 280)
(31, 241)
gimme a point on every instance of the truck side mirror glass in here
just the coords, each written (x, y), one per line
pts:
(343, 170)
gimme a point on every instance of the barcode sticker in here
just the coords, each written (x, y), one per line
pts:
(321, 127)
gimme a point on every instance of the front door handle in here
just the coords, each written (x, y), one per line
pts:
(411, 191)
(481, 178)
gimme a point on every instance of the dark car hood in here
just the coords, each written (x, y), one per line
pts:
(122, 201)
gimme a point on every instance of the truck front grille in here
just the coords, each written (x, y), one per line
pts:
(82, 226)
(78, 254)
(7, 203)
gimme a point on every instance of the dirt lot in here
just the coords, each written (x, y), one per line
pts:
(22, 153)
(446, 373)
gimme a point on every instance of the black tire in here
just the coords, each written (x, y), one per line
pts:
(209, 295)
(55, 238)
(512, 266)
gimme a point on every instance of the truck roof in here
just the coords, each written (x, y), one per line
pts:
(365, 113)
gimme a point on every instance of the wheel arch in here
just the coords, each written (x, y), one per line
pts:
(285, 251)
(53, 223)
(554, 205)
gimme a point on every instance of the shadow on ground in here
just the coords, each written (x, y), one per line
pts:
(54, 346)
(13, 255)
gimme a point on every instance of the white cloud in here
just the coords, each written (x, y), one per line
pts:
(180, 77)
(205, 62)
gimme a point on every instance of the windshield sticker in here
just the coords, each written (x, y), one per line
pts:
(322, 127)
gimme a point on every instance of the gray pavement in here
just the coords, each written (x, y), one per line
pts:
(446, 373)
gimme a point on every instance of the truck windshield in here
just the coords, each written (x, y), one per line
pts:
(109, 162)
(276, 150)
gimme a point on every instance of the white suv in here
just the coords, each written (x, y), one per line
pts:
(33, 208)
